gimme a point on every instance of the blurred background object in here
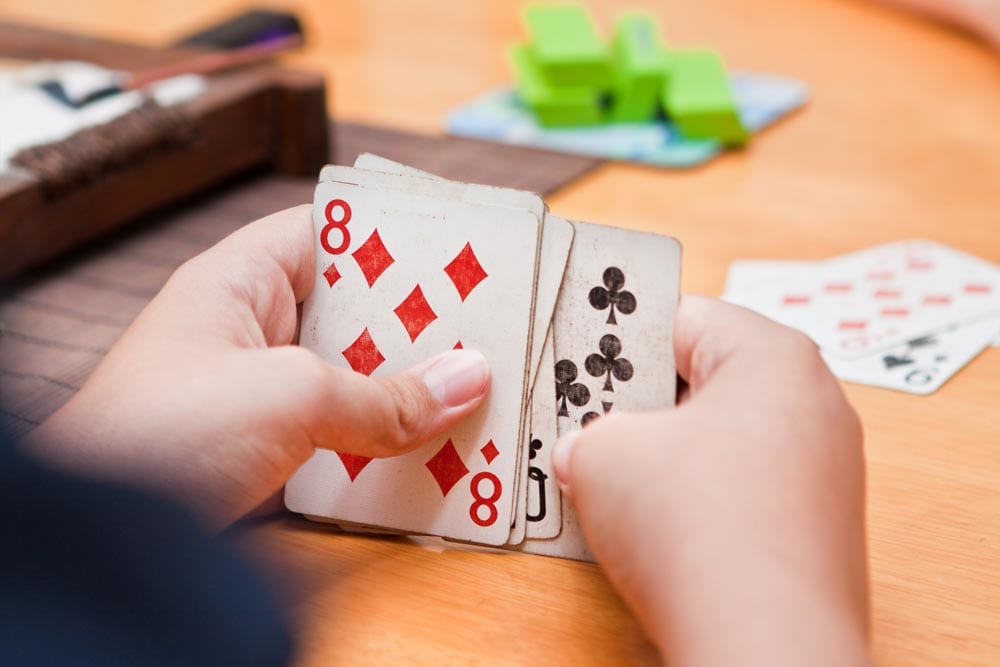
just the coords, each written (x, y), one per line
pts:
(255, 26)
(629, 98)
(101, 132)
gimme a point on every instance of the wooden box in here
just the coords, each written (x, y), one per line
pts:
(260, 117)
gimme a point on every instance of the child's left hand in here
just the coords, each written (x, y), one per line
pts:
(205, 398)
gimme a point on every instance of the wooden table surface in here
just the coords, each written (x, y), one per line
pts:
(901, 139)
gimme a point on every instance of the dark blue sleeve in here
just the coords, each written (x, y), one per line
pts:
(100, 574)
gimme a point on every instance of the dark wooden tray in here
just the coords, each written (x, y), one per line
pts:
(263, 117)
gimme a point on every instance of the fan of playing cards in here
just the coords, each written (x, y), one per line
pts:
(905, 315)
(576, 320)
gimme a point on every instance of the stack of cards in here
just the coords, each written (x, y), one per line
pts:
(905, 315)
(576, 320)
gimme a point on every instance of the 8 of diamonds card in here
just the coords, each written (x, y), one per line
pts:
(401, 277)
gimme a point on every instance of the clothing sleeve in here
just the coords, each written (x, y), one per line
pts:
(94, 573)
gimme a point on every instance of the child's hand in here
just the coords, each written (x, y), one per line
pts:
(733, 524)
(205, 398)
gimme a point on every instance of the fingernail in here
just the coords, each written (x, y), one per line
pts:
(561, 454)
(458, 377)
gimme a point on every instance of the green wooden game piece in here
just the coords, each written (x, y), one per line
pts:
(554, 106)
(640, 68)
(699, 99)
(565, 45)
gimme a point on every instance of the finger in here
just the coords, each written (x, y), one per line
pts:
(274, 505)
(582, 459)
(245, 288)
(284, 238)
(609, 486)
(350, 412)
(710, 334)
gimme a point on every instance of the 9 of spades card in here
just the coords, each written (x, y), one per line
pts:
(613, 331)
(400, 277)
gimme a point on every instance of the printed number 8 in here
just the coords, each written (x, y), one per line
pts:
(339, 225)
(489, 502)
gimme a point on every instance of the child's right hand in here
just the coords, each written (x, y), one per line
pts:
(734, 524)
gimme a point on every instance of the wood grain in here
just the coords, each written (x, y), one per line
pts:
(900, 140)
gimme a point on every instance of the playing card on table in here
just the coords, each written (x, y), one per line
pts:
(876, 298)
(744, 276)
(918, 366)
(613, 333)
(921, 365)
(401, 277)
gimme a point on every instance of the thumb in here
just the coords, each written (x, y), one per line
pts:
(585, 461)
(353, 413)
(605, 471)
(612, 474)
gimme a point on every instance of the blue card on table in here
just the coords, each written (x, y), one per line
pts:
(500, 116)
